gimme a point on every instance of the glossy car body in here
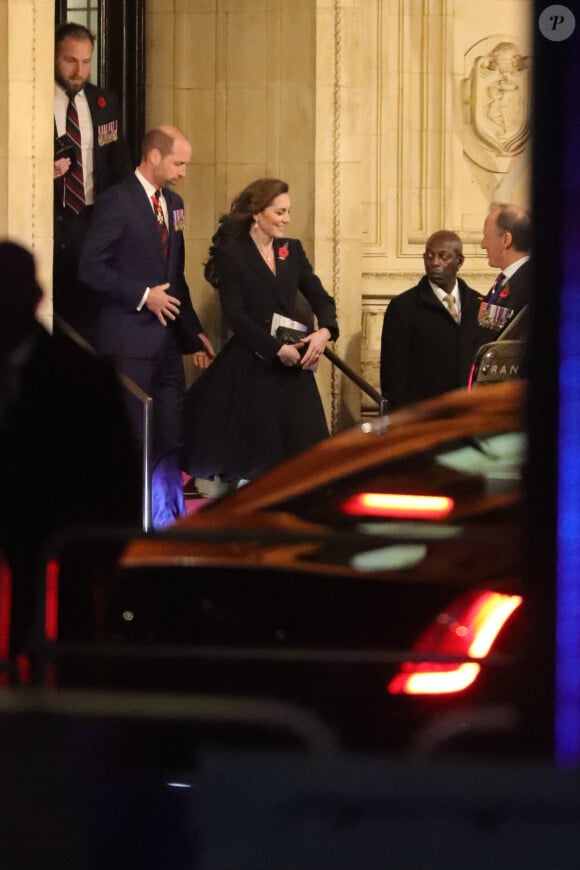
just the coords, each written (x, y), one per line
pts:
(294, 588)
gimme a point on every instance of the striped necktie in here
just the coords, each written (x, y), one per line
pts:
(74, 181)
(161, 225)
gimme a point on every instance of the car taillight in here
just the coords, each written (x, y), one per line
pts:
(398, 505)
(468, 628)
(51, 600)
(5, 611)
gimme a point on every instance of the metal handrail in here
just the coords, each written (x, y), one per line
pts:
(147, 432)
(356, 379)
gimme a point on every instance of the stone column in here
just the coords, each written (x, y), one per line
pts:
(26, 130)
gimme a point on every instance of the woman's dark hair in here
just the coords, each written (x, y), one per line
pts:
(237, 222)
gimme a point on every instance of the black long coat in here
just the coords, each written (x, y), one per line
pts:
(424, 352)
(248, 411)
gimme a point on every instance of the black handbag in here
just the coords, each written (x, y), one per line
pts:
(287, 335)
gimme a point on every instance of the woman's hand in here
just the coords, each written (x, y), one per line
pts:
(316, 342)
(203, 358)
(289, 354)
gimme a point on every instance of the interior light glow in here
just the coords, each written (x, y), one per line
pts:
(399, 557)
(398, 505)
(469, 627)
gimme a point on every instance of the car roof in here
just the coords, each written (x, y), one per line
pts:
(497, 408)
(262, 505)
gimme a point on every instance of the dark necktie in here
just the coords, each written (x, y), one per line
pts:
(493, 294)
(74, 181)
(161, 225)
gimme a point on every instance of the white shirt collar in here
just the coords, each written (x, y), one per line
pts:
(61, 94)
(441, 294)
(146, 184)
(510, 270)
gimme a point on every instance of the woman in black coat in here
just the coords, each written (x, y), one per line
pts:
(258, 402)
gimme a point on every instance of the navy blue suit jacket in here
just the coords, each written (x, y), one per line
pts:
(121, 256)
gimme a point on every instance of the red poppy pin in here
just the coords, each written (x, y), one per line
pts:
(283, 252)
(504, 293)
(101, 101)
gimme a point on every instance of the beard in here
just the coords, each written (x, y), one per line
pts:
(71, 87)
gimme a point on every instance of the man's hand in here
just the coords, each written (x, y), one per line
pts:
(61, 167)
(202, 358)
(161, 304)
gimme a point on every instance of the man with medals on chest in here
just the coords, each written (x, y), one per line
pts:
(133, 257)
(507, 240)
(90, 155)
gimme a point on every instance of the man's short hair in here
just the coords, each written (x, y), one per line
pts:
(515, 220)
(157, 139)
(73, 30)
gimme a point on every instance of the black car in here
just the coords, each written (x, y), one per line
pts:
(375, 581)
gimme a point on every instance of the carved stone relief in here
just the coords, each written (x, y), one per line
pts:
(496, 98)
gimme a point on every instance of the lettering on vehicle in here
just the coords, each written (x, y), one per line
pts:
(504, 369)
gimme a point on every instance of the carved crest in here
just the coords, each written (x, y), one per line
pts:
(496, 98)
(500, 99)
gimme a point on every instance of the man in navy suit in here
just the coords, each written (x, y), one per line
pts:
(507, 233)
(105, 161)
(133, 257)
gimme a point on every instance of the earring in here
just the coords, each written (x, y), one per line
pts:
(256, 225)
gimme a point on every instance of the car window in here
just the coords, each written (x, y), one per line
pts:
(475, 474)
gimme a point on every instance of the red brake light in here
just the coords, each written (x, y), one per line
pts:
(469, 628)
(399, 506)
(51, 593)
(5, 611)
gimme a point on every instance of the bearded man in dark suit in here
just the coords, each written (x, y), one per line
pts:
(430, 332)
(133, 257)
(104, 160)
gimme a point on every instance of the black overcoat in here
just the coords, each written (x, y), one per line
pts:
(424, 352)
(248, 411)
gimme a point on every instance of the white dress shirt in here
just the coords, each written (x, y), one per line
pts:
(150, 190)
(86, 127)
(441, 294)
